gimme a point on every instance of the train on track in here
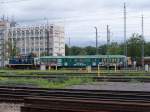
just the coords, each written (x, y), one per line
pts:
(68, 61)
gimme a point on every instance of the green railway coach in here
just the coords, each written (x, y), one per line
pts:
(83, 61)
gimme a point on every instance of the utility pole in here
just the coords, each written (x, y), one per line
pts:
(96, 40)
(142, 41)
(125, 33)
(69, 42)
(69, 46)
(108, 36)
(47, 37)
(108, 44)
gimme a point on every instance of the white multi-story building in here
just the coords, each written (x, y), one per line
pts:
(3, 26)
(40, 40)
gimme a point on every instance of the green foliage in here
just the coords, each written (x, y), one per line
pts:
(11, 49)
(43, 83)
(114, 49)
(67, 50)
(103, 49)
(90, 50)
(134, 47)
(135, 44)
(147, 47)
(77, 51)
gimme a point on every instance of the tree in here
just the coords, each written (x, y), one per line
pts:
(67, 50)
(147, 47)
(114, 49)
(90, 50)
(11, 49)
(135, 46)
(77, 51)
(103, 49)
(32, 54)
(42, 54)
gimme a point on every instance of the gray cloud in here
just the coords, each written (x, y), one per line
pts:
(80, 16)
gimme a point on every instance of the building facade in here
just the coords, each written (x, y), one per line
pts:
(41, 40)
(3, 26)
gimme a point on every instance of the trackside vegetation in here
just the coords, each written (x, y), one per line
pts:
(44, 83)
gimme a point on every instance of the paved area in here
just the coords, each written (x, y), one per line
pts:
(126, 86)
(5, 107)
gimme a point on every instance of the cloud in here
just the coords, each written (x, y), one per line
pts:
(80, 16)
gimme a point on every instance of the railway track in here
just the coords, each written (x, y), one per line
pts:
(93, 94)
(79, 73)
(68, 100)
(95, 78)
(82, 105)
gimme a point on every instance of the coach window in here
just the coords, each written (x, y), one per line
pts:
(100, 60)
(48, 60)
(45, 60)
(112, 60)
(104, 60)
(118, 59)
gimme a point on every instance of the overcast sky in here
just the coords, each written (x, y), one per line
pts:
(80, 16)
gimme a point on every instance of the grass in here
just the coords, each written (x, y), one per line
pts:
(71, 71)
(81, 73)
(44, 83)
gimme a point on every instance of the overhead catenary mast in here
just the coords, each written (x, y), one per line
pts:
(69, 46)
(125, 33)
(108, 45)
(142, 26)
(96, 40)
(108, 35)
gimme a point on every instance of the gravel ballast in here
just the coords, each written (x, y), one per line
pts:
(125, 86)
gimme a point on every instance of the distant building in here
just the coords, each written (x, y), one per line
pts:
(3, 27)
(40, 40)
